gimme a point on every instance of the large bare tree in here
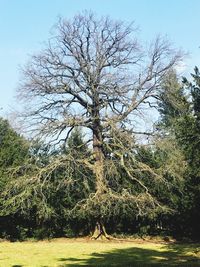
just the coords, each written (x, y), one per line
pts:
(95, 74)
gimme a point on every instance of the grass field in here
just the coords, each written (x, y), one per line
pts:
(83, 252)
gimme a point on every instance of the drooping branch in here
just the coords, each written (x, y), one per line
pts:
(95, 75)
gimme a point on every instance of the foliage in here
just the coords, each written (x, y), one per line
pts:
(180, 130)
(13, 152)
(14, 148)
(172, 100)
(188, 137)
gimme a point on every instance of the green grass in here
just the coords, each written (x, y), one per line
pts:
(83, 252)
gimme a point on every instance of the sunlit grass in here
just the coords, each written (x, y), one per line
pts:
(82, 252)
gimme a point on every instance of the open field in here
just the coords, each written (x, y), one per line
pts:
(83, 252)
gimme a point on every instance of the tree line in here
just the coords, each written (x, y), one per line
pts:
(86, 171)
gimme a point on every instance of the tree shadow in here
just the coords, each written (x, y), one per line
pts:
(172, 255)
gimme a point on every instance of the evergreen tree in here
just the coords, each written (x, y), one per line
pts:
(172, 100)
(13, 150)
(180, 120)
(169, 154)
(188, 136)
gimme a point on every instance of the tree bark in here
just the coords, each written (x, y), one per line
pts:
(100, 232)
(98, 147)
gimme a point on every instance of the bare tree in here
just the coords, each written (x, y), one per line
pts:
(94, 74)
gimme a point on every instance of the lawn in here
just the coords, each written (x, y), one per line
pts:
(83, 252)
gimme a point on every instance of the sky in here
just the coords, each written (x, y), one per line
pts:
(26, 24)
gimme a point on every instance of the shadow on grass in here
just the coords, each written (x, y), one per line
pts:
(172, 255)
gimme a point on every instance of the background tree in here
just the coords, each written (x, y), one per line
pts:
(13, 152)
(172, 100)
(94, 74)
(164, 151)
(187, 133)
(179, 109)
(14, 147)
(173, 105)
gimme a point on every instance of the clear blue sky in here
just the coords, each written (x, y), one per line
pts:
(25, 24)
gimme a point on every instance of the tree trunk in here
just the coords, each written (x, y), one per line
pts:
(100, 232)
(101, 188)
(98, 148)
